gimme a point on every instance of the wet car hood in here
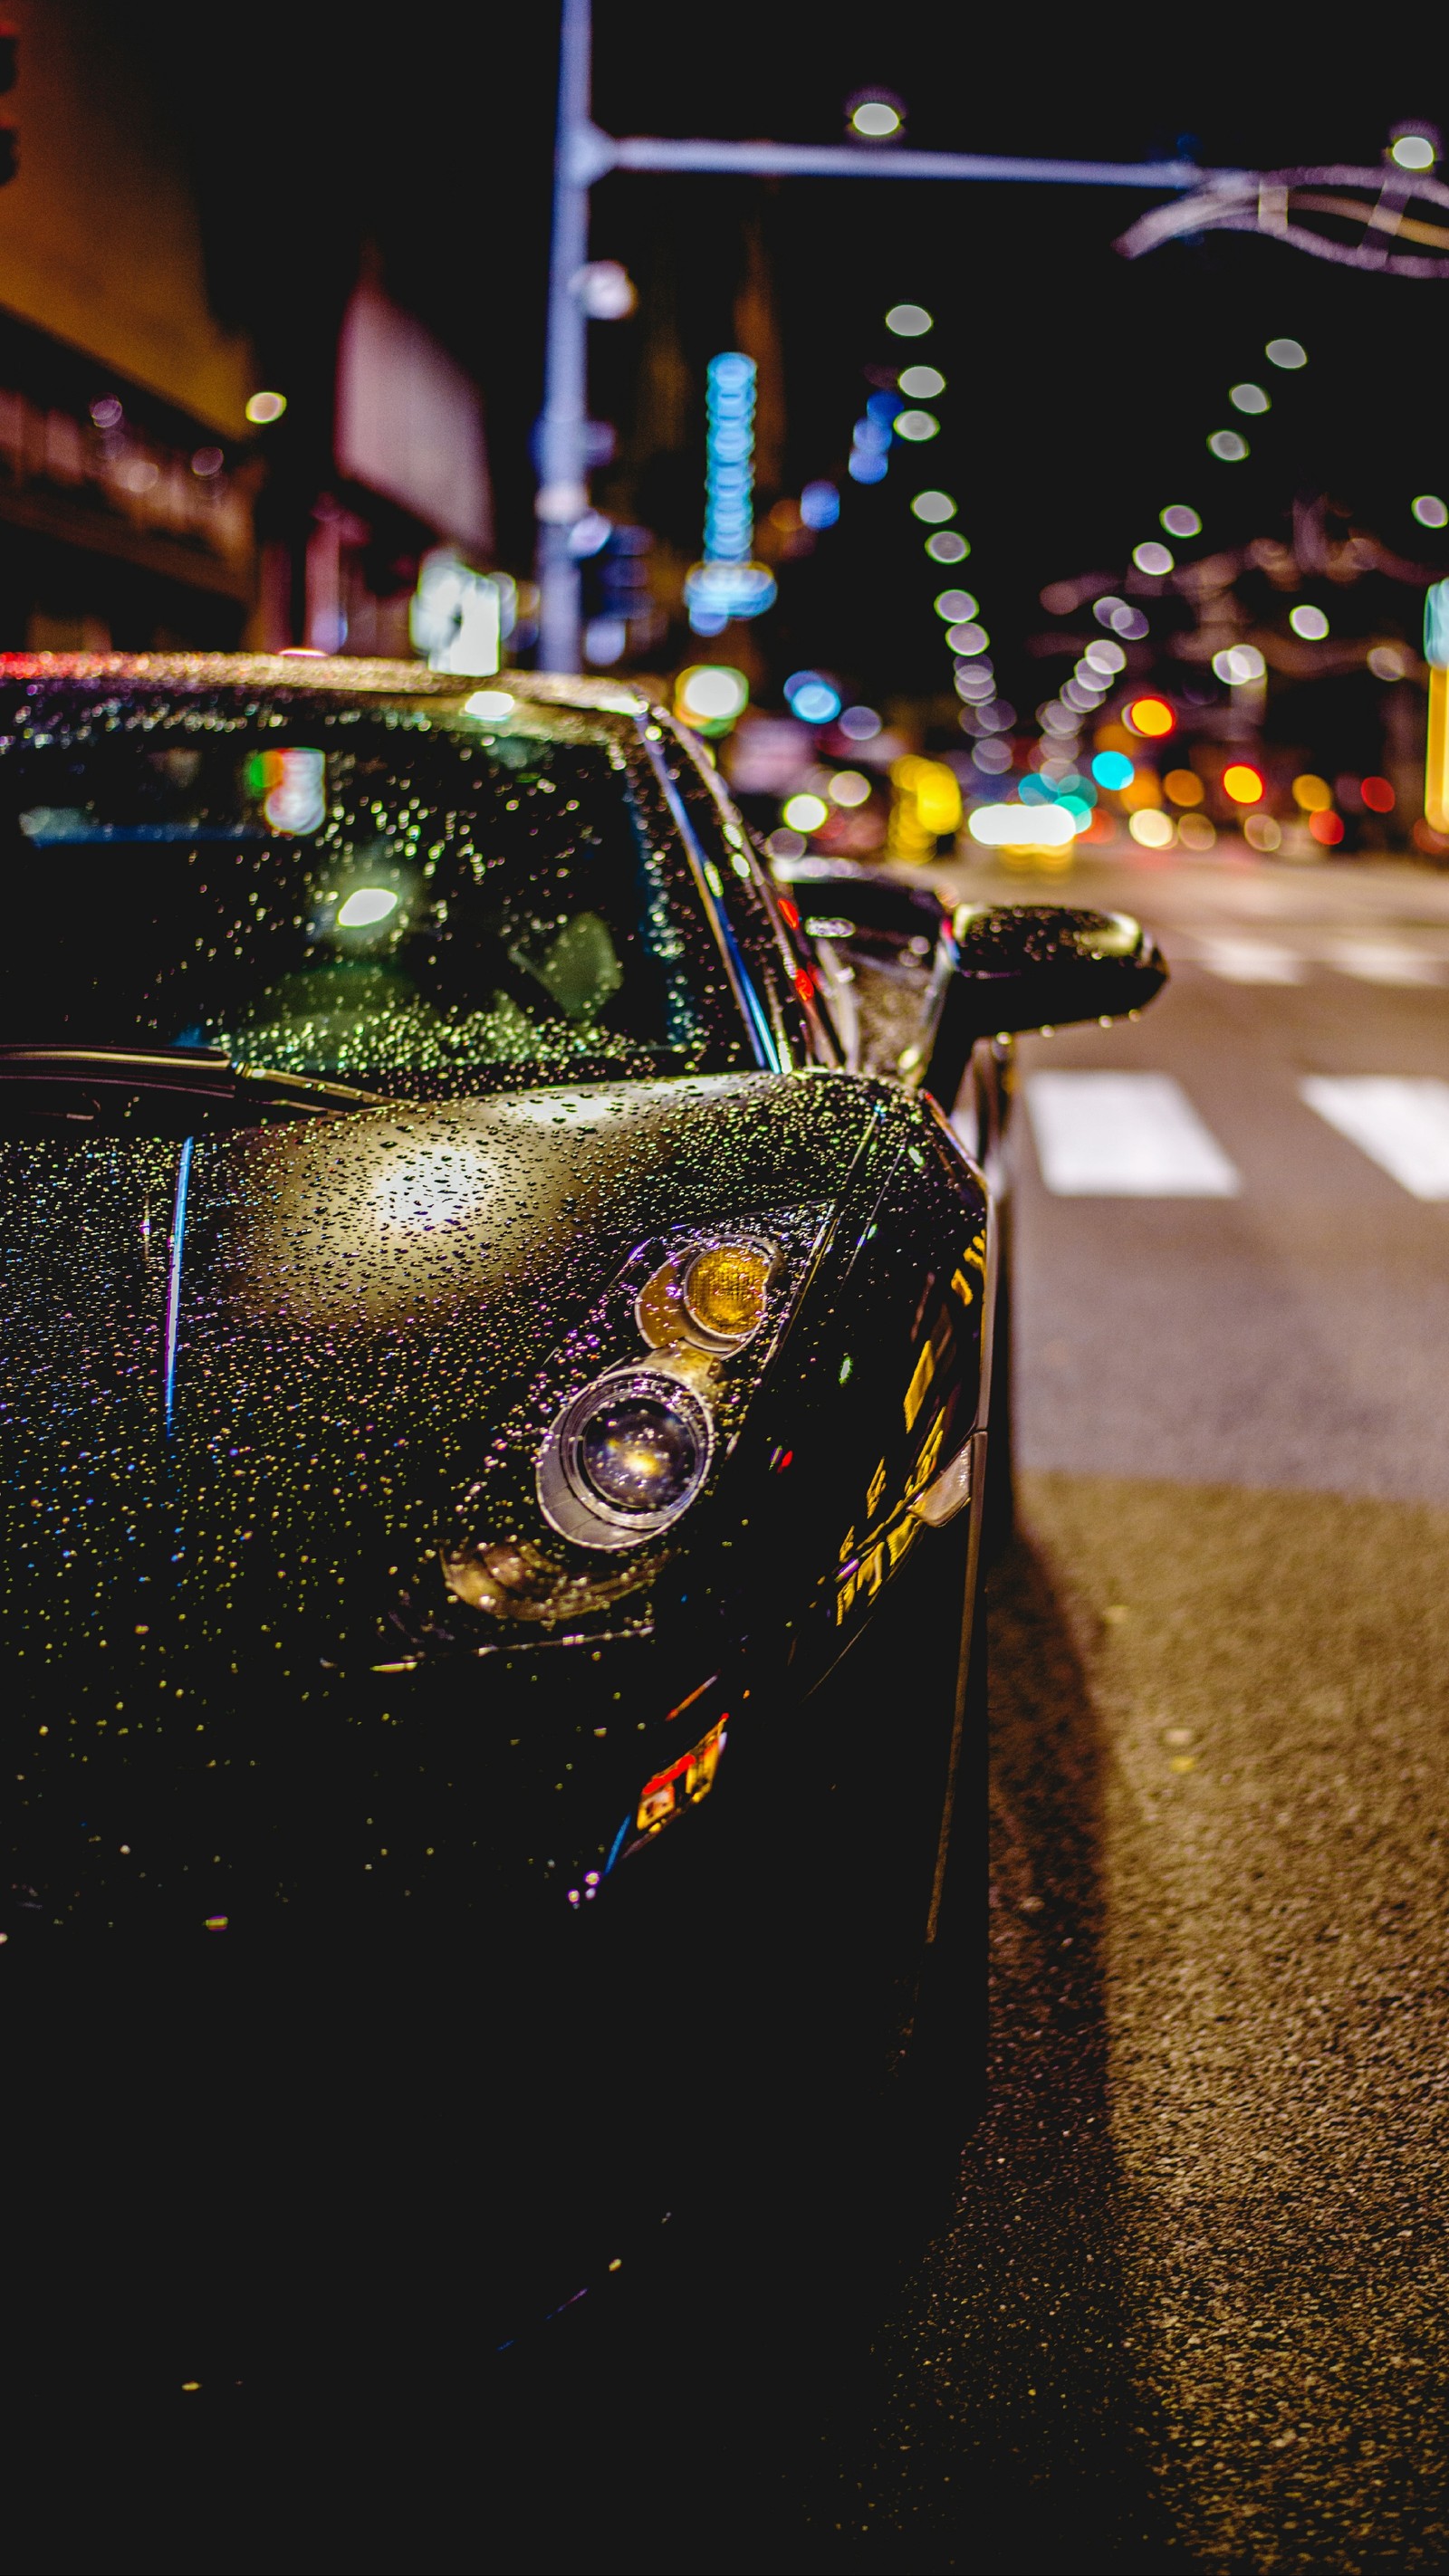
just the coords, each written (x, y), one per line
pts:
(243, 1375)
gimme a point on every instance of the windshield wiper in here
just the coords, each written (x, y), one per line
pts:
(203, 1072)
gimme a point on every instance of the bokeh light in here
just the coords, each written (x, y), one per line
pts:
(922, 384)
(1389, 662)
(1327, 828)
(917, 426)
(1377, 795)
(804, 813)
(1430, 511)
(1309, 622)
(1286, 353)
(1242, 782)
(710, 693)
(1152, 557)
(1261, 832)
(860, 724)
(1042, 827)
(1105, 657)
(1195, 832)
(1152, 717)
(1413, 152)
(946, 547)
(1228, 446)
(1184, 786)
(820, 505)
(934, 507)
(991, 756)
(968, 639)
(1153, 830)
(1312, 793)
(875, 118)
(1239, 665)
(908, 321)
(264, 407)
(1248, 397)
(848, 787)
(1180, 521)
(812, 699)
(1113, 770)
(952, 604)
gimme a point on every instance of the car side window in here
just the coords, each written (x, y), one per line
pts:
(804, 1030)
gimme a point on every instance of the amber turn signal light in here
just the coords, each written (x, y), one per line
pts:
(724, 1289)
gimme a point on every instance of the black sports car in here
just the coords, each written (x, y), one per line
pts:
(485, 1372)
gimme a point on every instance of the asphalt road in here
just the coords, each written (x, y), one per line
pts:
(1192, 2309)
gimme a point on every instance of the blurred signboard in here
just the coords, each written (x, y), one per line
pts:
(410, 422)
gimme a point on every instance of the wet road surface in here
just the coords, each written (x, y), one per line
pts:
(1192, 2308)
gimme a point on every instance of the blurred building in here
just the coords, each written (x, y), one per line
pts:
(128, 470)
(409, 483)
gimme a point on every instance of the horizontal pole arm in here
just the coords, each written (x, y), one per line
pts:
(596, 153)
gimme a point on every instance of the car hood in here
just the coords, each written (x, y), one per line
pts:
(242, 1372)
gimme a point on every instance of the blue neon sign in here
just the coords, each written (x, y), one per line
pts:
(727, 583)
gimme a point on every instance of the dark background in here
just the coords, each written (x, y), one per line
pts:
(1081, 387)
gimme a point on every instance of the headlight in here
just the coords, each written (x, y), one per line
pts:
(626, 1459)
(712, 1296)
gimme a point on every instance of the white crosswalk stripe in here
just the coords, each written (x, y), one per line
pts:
(1250, 961)
(1382, 961)
(1124, 1135)
(1401, 1124)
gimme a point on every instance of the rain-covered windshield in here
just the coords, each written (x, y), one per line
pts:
(400, 896)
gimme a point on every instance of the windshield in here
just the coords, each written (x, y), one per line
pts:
(399, 896)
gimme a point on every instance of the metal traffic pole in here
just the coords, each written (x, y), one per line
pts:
(585, 153)
(562, 494)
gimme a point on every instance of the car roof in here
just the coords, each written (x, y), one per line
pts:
(335, 672)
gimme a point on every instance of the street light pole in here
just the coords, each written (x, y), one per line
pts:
(562, 495)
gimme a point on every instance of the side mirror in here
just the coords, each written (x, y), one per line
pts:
(1034, 966)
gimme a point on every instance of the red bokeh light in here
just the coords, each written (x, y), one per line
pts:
(1327, 828)
(1377, 795)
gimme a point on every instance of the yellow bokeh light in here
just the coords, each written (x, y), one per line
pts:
(1312, 794)
(1184, 787)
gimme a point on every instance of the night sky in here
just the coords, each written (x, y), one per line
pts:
(1080, 388)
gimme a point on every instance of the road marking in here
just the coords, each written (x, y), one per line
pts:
(1124, 1135)
(1403, 1126)
(1380, 961)
(1250, 961)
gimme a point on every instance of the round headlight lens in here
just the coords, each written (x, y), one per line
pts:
(639, 1453)
(724, 1289)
